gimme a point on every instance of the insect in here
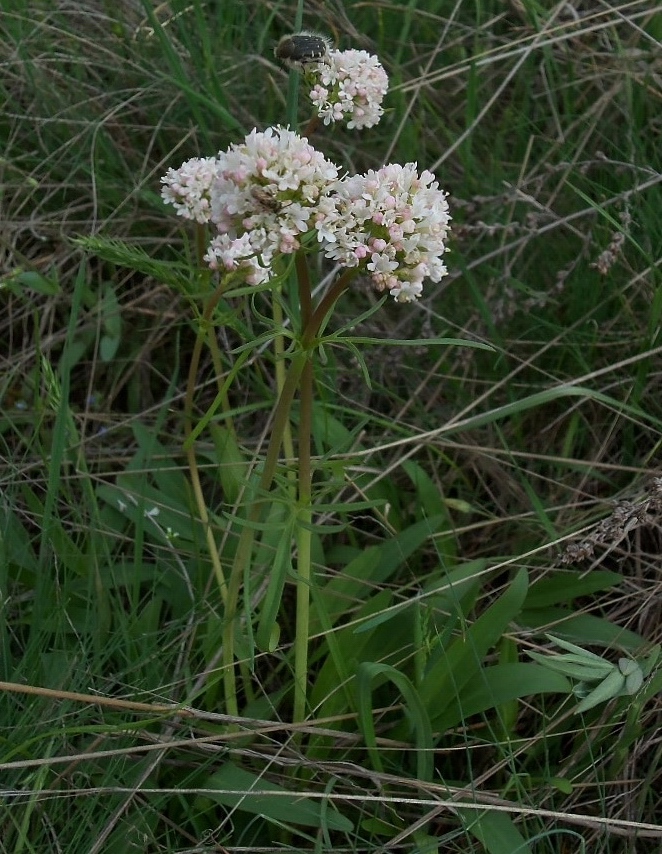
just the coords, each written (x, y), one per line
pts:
(298, 49)
(265, 200)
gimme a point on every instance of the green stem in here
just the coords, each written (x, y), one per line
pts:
(304, 542)
(304, 520)
(301, 363)
(245, 545)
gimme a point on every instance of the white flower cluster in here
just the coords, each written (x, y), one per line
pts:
(392, 223)
(349, 84)
(260, 195)
(264, 194)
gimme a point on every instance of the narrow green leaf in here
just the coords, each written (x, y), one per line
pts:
(586, 672)
(495, 831)
(366, 672)
(541, 398)
(580, 652)
(281, 564)
(418, 342)
(237, 788)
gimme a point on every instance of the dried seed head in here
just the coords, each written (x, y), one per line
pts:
(298, 49)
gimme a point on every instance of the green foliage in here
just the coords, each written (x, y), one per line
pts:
(472, 503)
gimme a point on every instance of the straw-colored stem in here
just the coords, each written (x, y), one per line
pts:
(279, 350)
(203, 329)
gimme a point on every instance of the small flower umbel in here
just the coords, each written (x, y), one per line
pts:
(344, 85)
(350, 86)
(264, 194)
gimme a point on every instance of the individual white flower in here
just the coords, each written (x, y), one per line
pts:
(188, 188)
(349, 85)
(392, 223)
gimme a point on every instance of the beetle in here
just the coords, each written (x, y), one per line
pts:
(299, 49)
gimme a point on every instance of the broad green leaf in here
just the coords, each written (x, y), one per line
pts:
(379, 827)
(564, 587)
(610, 687)
(633, 681)
(428, 496)
(153, 512)
(627, 666)
(242, 790)
(442, 595)
(333, 690)
(15, 542)
(66, 549)
(562, 784)
(583, 628)
(329, 434)
(280, 563)
(497, 685)
(373, 566)
(111, 318)
(446, 592)
(507, 712)
(32, 280)
(232, 463)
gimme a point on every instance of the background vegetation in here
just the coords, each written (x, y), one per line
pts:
(507, 495)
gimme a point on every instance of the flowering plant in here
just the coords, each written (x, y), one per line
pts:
(275, 196)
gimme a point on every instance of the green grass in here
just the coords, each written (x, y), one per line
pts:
(469, 503)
